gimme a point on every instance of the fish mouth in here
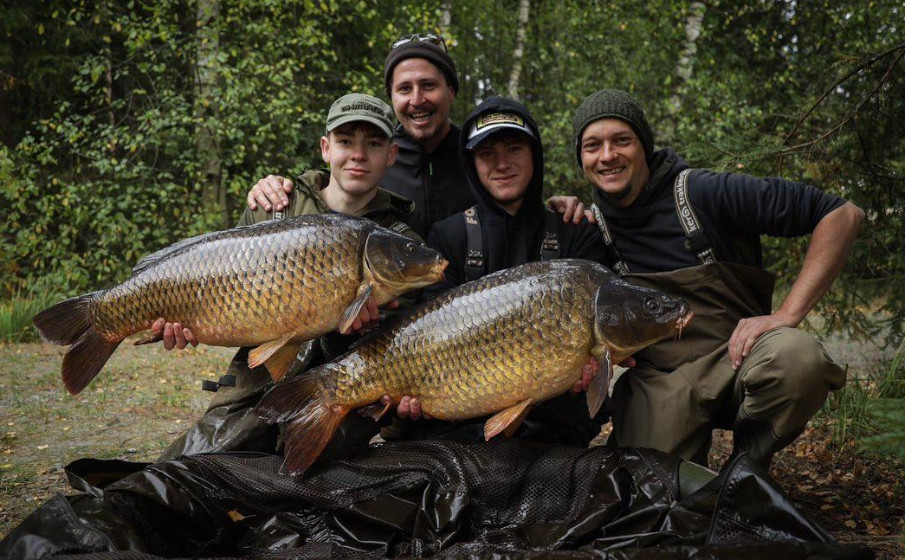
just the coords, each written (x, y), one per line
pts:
(682, 322)
(440, 267)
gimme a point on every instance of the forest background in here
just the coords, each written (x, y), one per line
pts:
(127, 125)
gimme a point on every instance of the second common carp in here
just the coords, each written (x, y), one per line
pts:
(272, 285)
(497, 345)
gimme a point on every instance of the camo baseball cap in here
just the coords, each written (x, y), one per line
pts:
(354, 107)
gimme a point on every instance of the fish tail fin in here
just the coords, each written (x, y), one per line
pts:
(69, 322)
(65, 322)
(85, 359)
(311, 420)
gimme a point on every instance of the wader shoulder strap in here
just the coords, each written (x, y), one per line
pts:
(619, 266)
(474, 259)
(549, 248)
(695, 239)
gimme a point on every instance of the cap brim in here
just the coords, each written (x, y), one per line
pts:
(383, 126)
(473, 142)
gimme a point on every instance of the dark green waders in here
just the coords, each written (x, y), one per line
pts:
(683, 388)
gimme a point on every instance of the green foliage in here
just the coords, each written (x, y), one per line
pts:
(888, 415)
(871, 409)
(101, 161)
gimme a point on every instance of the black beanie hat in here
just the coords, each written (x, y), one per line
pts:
(434, 54)
(612, 103)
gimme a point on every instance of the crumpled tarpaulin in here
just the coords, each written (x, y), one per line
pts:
(502, 499)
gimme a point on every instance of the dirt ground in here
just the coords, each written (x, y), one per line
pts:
(145, 397)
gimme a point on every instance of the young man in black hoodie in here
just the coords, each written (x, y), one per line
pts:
(501, 150)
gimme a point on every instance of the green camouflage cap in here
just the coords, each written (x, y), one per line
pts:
(354, 107)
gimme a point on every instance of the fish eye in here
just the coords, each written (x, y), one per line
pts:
(411, 248)
(651, 304)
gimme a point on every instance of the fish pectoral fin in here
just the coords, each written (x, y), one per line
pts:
(150, 339)
(351, 312)
(375, 410)
(600, 385)
(277, 355)
(507, 420)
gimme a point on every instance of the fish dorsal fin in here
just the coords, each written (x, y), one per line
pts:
(277, 355)
(351, 312)
(507, 420)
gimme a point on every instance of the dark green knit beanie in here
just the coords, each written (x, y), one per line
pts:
(612, 103)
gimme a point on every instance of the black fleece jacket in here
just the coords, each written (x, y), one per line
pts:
(507, 240)
(734, 211)
(435, 182)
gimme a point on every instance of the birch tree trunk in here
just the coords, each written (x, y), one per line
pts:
(685, 66)
(445, 16)
(524, 8)
(207, 143)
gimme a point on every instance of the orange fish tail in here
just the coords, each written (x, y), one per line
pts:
(69, 322)
(311, 420)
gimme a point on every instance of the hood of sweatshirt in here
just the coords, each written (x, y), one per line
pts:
(532, 207)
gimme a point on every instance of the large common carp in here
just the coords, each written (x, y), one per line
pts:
(272, 285)
(495, 345)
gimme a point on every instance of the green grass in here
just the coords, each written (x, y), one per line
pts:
(871, 409)
(16, 314)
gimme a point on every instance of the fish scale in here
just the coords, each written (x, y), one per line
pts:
(455, 366)
(495, 345)
(272, 285)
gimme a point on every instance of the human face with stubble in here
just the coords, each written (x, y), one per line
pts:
(422, 99)
(613, 160)
(505, 167)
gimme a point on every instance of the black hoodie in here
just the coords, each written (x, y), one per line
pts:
(734, 211)
(434, 181)
(507, 240)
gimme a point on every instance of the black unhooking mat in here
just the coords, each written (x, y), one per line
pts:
(502, 499)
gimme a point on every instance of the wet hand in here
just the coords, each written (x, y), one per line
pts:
(271, 193)
(571, 208)
(590, 370)
(369, 316)
(748, 331)
(587, 375)
(409, 408)
(174, 334)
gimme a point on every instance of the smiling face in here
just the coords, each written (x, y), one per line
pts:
(613, 160)
(505, 165)
(421, 100)
(358, 154)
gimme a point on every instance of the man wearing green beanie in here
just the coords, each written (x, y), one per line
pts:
(696, 233)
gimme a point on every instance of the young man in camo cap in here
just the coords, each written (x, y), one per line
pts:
(421, 81)
(358, 147)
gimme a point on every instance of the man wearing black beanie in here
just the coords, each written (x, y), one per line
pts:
(421, 81)
(695, 233)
